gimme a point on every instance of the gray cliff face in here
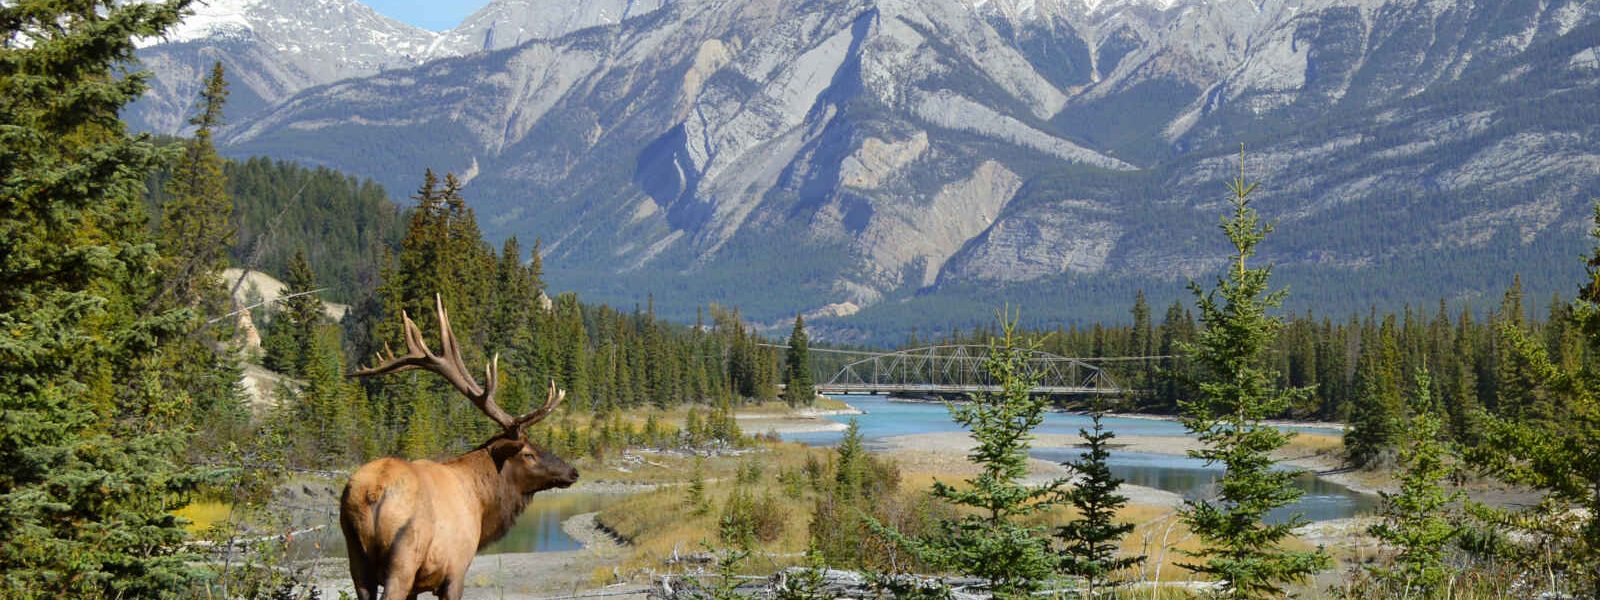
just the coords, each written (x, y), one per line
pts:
(790, 156)
(507, 23)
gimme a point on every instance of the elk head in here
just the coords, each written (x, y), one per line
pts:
(522, 465)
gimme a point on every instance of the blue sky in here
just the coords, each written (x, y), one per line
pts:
(437, 15)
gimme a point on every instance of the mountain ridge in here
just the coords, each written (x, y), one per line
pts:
(891, 150)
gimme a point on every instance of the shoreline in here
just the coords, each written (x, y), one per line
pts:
(1320, 465)
(804, 420)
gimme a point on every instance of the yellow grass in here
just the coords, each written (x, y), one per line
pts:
(826, 403)
(202, 515)
(661, 523)
(1315, 444)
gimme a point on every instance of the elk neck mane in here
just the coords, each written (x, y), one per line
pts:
(500, 504)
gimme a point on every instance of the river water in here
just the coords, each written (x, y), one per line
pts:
(1191, 478)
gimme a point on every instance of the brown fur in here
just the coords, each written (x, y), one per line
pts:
(414, 526)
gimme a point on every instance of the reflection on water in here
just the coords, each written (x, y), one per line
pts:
(1188, 477)
(538, 530)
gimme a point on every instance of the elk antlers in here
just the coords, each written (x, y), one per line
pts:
(454, 370)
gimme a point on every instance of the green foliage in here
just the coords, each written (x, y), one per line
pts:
(1235, 395)
(995, 543)
(1092, 539)
(850, 472)
(1375, 418)
(92, 433)
(325, 420)
(1417, 521)
(798, 389)
(343, 225)
(288, 340)
(1556, 455)
(857, 495)
(746, 521)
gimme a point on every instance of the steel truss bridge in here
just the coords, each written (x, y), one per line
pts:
(955, 369)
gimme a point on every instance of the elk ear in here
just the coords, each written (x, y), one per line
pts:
(501, 450)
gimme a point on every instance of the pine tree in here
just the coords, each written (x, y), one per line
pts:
(1235, 395)
(1416, 521)
(90, 440)
(798, 388)
(995, 542)
(1092, 539)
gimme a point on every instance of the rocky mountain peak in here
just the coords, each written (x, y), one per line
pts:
(329, 28)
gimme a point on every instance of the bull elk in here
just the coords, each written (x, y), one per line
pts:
(414, 526)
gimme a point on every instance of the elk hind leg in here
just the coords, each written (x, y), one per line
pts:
(398, 585)
(363, 574)
(453, 587)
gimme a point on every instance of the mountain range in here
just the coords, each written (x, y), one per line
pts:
(884, 163)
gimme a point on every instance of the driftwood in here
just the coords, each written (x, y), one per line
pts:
(843, 585)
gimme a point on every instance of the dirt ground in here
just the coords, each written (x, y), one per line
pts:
(530, 575)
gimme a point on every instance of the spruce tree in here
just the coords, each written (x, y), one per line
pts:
(851, 469)
(1378, 407)
(289, 341)
(196, 227)
(798, 387)
(696, 489)
(995, 541)
(1235, 395)
(1141, 341)
(90, 438)
(1092, 539)
(1416, 521)
(194, 237)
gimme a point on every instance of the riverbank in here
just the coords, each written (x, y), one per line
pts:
(1273, 422)
(943, 456)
